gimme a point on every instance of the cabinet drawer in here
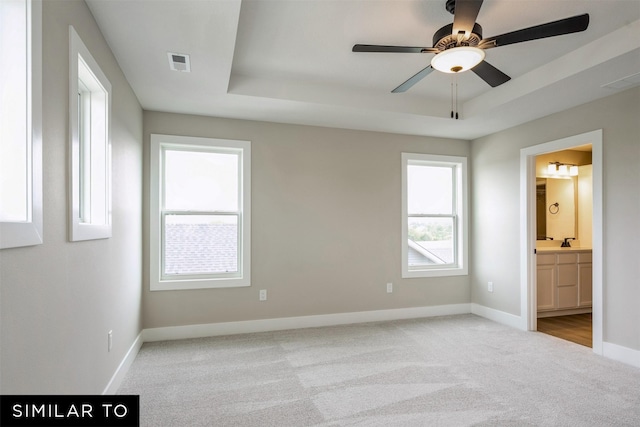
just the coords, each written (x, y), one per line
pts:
(567, 258)
(546, 259)
(585, 257)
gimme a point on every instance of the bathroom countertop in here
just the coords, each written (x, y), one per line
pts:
(558, 249)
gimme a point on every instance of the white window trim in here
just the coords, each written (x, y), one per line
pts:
(157, 283)
(79, 230)
(461, 269)
(30, 232)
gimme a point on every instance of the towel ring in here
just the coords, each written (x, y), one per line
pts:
(554, 208)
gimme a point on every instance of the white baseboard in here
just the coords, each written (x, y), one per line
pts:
(278, 324)
(621, 354)
(499, 316)
(123, 368)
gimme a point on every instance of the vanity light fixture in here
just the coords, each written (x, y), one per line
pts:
(561, 170)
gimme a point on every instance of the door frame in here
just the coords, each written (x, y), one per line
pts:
(528, 303)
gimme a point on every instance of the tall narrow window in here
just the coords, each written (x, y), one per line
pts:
(434, 215)
(200, 204)
(89, 101)
(20, 123)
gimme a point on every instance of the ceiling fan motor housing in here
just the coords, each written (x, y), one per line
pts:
(443, 39)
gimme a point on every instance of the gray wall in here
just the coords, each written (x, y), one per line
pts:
(496, 219)
(60, 299)
(325, 225)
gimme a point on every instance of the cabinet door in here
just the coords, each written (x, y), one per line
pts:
(567, 285)
(586, 283)
(545, 286)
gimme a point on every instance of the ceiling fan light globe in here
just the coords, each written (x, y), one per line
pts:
(458, 59)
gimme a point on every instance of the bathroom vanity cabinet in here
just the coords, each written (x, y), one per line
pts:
(564, 280)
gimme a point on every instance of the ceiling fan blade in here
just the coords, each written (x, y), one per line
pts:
(574, 24)
(466, 13)
(490, 74)
(392, 49)
(413, 80)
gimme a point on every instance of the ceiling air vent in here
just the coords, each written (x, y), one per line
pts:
(625, 82)
(179, 62)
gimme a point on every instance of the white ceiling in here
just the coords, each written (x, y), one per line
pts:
(290, 61)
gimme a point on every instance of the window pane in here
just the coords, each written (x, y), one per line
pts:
(84, 136)
(204, 181)
(200, 244)
(431, 241)
(429, 189)
(14, 118)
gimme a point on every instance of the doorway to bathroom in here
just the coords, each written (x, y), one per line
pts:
(552, 269)
(564, 206)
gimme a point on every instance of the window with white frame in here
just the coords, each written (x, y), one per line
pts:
(434, 219)
(90, 148)
(20, 123)
(200, 213)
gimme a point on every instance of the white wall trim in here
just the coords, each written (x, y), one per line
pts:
(621, 354)
(278, 324)
(499, 316)
(123, 368)
(527, 228)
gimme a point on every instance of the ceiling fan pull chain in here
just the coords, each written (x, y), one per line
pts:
(452, 105)
(455, 79)
(454, 96)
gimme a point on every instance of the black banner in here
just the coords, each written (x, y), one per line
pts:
(68, 410)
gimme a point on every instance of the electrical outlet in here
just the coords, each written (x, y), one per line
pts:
(490, 286)
(109, 340)
(263, 294)
(389, 288)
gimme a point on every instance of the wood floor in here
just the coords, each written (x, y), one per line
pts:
(575, 328)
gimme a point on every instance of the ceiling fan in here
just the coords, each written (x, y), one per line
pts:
(459, 46)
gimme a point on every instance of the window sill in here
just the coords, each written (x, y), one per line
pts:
(181, 285)
(411, 274)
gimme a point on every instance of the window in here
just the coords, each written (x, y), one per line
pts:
(200, 213)
(90, 148)
(434, 224)
(20, 123)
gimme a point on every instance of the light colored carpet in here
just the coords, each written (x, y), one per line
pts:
(443, 371)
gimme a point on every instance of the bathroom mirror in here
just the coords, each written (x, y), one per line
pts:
(555, 208)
